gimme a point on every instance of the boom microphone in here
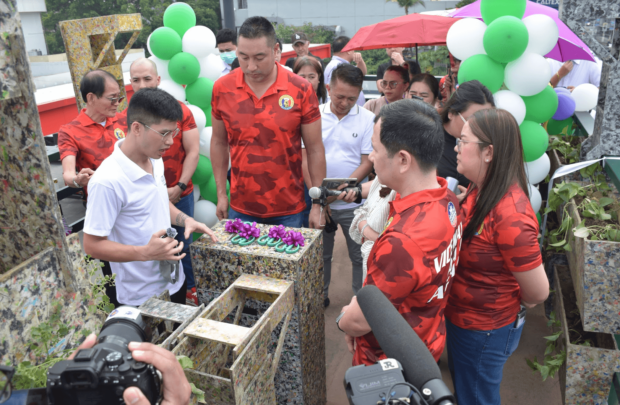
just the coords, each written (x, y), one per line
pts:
(399, 341)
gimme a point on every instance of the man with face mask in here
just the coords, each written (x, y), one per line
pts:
(226, 43)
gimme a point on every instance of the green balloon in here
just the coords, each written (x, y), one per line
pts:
(563, 127)
(505, 39)
(203, 172)
(535, 140)
(208, 115)
(180, 17)
(165, 43)
(208, 190)
(541, 107)
(184, 68)
(199, 93)
(484, 69)
(493, 9)
(538, 218)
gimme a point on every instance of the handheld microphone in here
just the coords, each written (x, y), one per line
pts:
(399, 341)
(318, 192)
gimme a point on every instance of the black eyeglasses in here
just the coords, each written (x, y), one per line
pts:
(173, 133)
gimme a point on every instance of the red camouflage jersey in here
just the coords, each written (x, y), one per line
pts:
(264, 135)
(485, 294)
(413, 264)
(88, 141)
(175, 156)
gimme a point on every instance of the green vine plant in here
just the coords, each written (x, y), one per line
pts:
(553, 358)
(49, 339)
(188, 364)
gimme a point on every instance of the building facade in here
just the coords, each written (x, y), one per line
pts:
(30, 15)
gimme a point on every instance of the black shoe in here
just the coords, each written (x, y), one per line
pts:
(326, 302)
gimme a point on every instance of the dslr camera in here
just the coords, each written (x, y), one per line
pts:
(98, 375)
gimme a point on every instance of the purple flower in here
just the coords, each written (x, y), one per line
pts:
(294, 238)
(233, 226)
(277, 232)
(248, 231)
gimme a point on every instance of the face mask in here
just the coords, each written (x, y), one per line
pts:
(228, 57)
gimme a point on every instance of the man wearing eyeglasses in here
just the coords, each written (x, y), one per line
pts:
(129, 209)
(179, 162)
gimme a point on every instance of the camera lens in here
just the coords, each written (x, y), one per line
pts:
(124, 325)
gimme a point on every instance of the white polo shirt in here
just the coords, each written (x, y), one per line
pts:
(345, 141)
(128, 205)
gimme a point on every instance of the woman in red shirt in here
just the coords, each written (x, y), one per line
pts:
(500, 270)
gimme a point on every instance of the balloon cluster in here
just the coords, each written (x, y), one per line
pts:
(189, 63)
(505, 52)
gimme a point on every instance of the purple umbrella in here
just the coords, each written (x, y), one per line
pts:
(569, 45)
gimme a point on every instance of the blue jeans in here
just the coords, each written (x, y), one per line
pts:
(306, 212)
(186, 206)
(476, 360)
(291, 221)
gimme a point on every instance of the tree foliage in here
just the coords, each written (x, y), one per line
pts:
(374, 58)
(152, 11)
(406, 4)
(463, 3)
(317, 34)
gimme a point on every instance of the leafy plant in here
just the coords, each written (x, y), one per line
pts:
(407, 3)
(553, 359)
(317, 34)
(187, 363)
(569, 152)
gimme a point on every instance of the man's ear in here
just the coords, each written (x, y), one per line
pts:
(405, 161)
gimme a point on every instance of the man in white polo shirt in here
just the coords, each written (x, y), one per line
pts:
(347, 130)
(128, 207)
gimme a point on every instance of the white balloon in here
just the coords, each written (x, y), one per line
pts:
(511, 102)
(528, 75)
(205, 142)
(199, 116)
(538, 169)
(211, 67)
(197, 195)
(148, 44)
(175, 90)
(586, 97)
(162, 67)
(199, 41)
(535, 198)
(204, 211)
(543, 32)
(464, 38)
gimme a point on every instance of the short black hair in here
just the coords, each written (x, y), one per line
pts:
(258, 27)
(279, 41)
(414, 67)
(401, 70)
(151, 105)
(226, 35)
(340, 43)
(468, 93)
(348, 74)
(94, 82)
(415, 127)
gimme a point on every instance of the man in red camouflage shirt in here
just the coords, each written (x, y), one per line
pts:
(413, 260)
(179, 162)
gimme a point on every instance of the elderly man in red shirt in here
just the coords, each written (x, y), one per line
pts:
(179, 162)
(262, 112)
(413, 260)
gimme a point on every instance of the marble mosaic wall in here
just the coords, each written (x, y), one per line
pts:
(30, 219)
(89, 44)
(300, 378)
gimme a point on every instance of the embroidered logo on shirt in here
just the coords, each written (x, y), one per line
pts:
(119, 134)
(286, 102)
(387, 224)
(354, 135)
(452, 214)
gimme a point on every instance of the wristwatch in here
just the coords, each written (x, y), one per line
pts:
(338, 320)
(75, 182)
(182, 186)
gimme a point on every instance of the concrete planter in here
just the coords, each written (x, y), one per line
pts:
(595, 270)
(586, 376)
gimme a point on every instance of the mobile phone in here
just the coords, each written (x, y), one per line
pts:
(332, 184)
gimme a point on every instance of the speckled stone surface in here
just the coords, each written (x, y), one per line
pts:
(30, 219)
(89, 43)
(28, 293)
(300, 378)
(168, 311)
(588, 372)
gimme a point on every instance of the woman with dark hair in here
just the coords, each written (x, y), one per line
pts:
(311, 70)
(426, 87)
(395, 84)
(500, 271)
(468, 99)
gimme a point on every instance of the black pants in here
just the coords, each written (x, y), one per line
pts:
(110, 290)
(179, 296)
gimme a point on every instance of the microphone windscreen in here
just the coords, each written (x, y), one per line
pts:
(314, 192)
(396, 337)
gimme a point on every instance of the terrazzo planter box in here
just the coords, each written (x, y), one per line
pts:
(595, 270)
(300, 378)
(587, 374)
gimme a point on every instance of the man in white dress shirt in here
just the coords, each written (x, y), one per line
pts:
(571, 74)
(128, 207)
